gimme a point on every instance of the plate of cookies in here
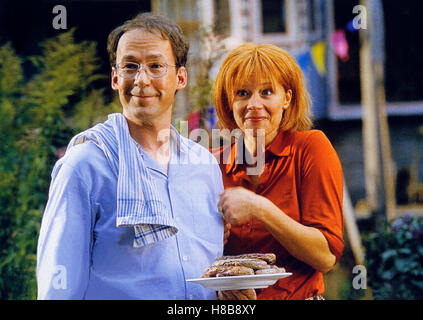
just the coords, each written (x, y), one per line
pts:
(245, 271)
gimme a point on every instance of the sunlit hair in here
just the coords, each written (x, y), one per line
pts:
(156, 24)
(262, 62)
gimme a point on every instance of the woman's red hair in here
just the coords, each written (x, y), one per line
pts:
(264, 62)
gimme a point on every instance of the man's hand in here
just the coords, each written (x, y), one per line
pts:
(247, 294)
(227, 231)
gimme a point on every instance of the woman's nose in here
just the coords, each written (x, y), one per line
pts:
(255, 102)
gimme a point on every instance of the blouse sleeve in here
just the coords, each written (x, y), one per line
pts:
(321, 191)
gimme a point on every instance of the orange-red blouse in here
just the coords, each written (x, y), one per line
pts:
(303, 177)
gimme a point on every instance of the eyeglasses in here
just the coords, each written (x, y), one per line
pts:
(128, 70)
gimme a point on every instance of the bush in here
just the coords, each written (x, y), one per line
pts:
(395, 260)
(38, 116)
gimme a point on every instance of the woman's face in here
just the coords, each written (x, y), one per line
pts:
(259, 105)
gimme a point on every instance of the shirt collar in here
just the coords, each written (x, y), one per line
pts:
(280, 147)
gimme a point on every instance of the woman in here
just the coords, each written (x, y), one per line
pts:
(292, 206)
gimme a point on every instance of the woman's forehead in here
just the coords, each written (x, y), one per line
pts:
(254, 80)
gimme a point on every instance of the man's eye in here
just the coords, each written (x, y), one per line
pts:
(129, 66)
(156, 65)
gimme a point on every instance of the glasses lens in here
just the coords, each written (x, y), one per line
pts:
(156, 69)
(128, 70)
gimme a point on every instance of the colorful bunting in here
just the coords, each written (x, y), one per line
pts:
(318, 55)
(193, 121)
(340, 45)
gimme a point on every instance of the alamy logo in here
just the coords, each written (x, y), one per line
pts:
(360, 20)
(360, 280)
(59, 280)
(60, 21)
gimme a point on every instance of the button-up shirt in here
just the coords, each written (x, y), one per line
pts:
(303, 177)
(83, 255)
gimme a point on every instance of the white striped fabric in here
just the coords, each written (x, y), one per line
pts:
(139, 203)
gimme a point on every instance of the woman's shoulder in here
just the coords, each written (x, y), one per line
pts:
(311, 142)
(309, 137)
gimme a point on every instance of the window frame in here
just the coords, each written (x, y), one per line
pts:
(293, 34)
(339, 111)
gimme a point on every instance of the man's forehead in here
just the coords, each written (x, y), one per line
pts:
(142, 35)
(136, 40)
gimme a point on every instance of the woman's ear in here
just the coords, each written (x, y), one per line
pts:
(288, 97)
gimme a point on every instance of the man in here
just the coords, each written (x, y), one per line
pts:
(129, 215)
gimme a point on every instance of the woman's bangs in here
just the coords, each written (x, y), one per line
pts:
(252, 71)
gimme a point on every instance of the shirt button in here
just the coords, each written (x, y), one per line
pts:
(185, 258)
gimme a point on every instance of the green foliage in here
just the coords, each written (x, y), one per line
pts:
(395, 260)
(38, 116)
(212, 49)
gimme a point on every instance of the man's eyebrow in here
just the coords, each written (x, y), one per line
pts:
(155, 56)
(151, 56)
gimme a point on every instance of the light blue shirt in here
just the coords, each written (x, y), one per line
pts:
(83, 255)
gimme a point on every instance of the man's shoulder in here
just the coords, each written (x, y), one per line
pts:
(198, 149)
(84, 157)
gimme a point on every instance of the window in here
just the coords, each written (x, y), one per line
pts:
(273, 16)
(403, 60)
(222, 23)
(404, 50)
(348, 80)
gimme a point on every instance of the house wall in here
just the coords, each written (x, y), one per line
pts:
(346, 137)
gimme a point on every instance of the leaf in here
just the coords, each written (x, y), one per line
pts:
(388, 254)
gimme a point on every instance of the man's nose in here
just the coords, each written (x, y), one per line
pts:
(141, 77)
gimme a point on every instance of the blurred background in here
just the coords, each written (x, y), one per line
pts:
(363, 62)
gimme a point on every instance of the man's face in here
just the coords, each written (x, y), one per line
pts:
(143, 98)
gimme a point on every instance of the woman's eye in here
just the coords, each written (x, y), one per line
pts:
(241, 93)
(267, 92)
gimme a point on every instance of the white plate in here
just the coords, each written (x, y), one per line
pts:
(255, 281)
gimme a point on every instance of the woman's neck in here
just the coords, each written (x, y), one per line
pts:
(259, 142)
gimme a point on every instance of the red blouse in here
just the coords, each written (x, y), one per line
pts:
(303, 177)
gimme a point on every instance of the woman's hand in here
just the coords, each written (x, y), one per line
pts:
(247, 294)
(239, 205)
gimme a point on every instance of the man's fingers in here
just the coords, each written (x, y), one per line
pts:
(248, 294)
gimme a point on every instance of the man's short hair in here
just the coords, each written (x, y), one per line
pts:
(153, 23)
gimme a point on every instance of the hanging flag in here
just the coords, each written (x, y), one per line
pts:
(303, 60)
(350, 27)
(194, 120)
(211, 118)
(318, 55)
(340, 45)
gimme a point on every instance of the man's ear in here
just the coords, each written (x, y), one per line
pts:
(114, 79)
(182, 78)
